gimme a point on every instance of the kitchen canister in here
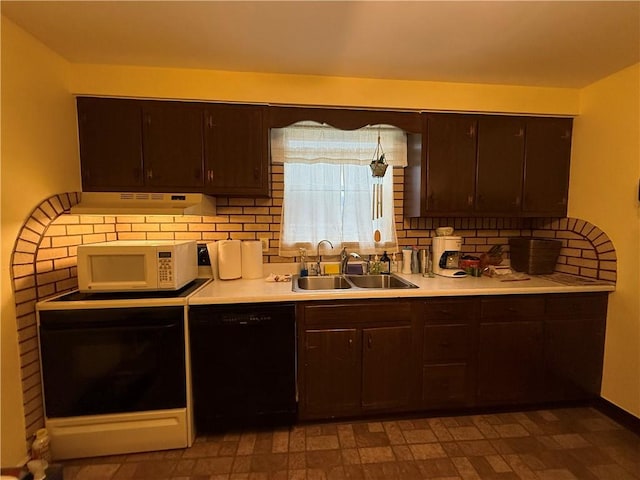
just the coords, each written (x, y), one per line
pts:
(229, 259)
(406, 260)
(252, 259)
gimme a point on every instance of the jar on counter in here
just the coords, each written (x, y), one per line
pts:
(40, 446)
(471, 265)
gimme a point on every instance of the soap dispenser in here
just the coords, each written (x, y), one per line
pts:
(303, 264)
(385, 264)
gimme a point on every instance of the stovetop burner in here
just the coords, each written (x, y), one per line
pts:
(82, 296)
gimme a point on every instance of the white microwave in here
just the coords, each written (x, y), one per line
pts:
(136, 265)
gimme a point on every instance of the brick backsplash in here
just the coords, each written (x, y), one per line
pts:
(44, 256)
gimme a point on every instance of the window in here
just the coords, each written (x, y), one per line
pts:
(328, 186)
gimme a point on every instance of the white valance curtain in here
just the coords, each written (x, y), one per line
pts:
(328, 187)
(311, 142)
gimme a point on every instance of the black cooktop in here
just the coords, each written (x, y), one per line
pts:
(82, 296)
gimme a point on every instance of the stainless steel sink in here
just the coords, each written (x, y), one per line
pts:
(379, 281)
(342, 282)
(320, 283)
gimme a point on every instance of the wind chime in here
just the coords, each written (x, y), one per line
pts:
(378, 169)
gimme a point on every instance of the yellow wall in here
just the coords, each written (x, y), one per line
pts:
(605, 170)
(317, 90)
(39, 159)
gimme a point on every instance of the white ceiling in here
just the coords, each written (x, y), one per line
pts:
(557, 44)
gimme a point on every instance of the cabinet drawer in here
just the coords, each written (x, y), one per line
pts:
(512, 308)
(444, 384)
(577, 306)
(376, 313)
(446, 342)
(450, 311)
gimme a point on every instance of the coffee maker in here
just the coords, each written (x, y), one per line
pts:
(446, 256)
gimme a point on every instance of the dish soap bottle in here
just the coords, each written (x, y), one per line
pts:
(303, 264)
(385, 264)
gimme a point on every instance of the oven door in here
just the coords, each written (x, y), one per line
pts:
(112, 360)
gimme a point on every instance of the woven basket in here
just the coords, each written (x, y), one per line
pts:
(535, 256)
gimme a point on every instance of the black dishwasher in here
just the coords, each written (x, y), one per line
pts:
(243, 365)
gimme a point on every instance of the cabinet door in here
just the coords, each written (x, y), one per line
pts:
(387, 370)
(173, 146)
(451, 163)
(573, 358)
(546, 175)
(332, 372)
(574, 345)
(236, 151)
(509, 362)
(110, 135)
(500, 164)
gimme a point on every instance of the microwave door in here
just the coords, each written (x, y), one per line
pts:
(117, 269)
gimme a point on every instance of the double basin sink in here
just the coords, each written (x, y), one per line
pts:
(342, 282)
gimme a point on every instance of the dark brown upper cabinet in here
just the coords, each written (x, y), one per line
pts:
(451, 163)
(480, 165)
(236, 150)
(546, 166)
(152, 145)
(173, 146)
(500, 165)
(110, 132)
(139, 145)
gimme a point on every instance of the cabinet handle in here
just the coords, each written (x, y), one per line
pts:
(445, 312)
(369, 341)
(210, 175)
(256, 173)
(149, 174)
(148, 119)
(520, 133)
(472, 131)
(350, 342)
(518, 201)
(470, 200)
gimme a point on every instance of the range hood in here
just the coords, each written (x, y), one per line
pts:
(141, 203)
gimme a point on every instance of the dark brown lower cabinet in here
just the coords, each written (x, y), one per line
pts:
(332, 371)
(386, 367)
(574, 346)
(357, 357)
(447, 355)
(510, 363)
(377, 356)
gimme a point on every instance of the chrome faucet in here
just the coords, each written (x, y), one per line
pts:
(344, 260)
(318, 270)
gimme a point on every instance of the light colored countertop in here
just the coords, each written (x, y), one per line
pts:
(248, 291)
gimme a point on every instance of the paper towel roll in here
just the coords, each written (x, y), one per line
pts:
(252, 259)
(212, 249)
(229, 259)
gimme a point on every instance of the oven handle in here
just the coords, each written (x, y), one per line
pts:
(75, 327)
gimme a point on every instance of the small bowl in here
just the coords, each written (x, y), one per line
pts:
(444, 231)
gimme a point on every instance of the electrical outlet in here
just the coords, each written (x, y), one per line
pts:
(265, 244)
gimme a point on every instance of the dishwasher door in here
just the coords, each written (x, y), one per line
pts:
(243, 365)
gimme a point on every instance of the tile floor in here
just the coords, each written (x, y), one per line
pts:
(558, 444)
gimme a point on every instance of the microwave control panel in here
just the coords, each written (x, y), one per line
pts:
(165, 268)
